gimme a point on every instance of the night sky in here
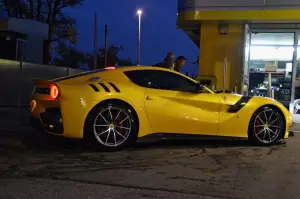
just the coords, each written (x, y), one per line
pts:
(158, 34)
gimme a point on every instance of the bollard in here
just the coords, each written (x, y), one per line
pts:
(19, 82)
(224, 74)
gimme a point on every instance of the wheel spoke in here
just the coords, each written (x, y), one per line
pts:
(103, 118)
(260, 120)
(274, 126)
(123, 120)
(101, 125)
(111, 117)
(259, 126)
(272, 122)
(115, 139)
(270, 116)
(266, 116)
(260, 132)
(103, 132)
(271, 131)
(119, 134)
(264, 134)
(107, 136)
(118, 115)
(121, 127)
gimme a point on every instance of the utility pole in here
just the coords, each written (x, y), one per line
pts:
(105, 45)
(95, 41)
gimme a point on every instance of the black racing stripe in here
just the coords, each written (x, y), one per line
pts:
(239, 105)
(94, 87)
(79, 75)
(115, 87)
(45, 91)
(105, 87)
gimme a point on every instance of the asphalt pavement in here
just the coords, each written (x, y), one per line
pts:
(37, 166)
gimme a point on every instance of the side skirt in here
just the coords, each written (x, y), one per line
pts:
(171, 136)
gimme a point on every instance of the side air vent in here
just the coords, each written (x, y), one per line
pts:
(104, 87)
(94, 87)
(239, 104)
(115, 87)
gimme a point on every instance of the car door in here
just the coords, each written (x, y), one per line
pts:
(173, 106)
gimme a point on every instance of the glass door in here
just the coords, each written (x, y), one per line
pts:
(271, 65)
(295, 95)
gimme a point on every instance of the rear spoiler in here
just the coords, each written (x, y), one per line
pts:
(42, 82)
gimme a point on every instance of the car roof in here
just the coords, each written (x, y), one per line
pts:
(122, 69)
(131, 68)
(128, 68)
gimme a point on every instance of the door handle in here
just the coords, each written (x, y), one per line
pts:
(149, 98)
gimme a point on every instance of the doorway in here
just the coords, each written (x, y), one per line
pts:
(273, 63)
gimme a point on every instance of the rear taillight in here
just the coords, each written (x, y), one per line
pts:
(54, 91)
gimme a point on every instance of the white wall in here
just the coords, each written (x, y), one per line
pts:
(29, 27)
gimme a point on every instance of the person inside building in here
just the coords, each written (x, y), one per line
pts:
(168, 61)
(179, 63)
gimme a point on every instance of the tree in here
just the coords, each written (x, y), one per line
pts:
(61, 27)
(112, 57)
(125, 62)
(68, 56)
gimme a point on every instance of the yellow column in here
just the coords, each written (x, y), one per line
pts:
(215, 47)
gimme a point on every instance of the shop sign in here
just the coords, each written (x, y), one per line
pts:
(270, 68)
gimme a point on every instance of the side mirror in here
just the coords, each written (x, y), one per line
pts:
(199, 87)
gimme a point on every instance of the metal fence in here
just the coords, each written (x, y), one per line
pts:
(17, 80)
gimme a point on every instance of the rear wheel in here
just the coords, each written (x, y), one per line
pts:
(266, 126)
(113, 125)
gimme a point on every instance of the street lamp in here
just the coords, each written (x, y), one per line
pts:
(139, 13)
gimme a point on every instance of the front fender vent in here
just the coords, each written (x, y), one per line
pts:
(239, 105)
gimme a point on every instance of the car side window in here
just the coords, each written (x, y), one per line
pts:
(170, 81)
(139, 77)
(163, 80)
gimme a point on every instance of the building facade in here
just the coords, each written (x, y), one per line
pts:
(257, 41)
(22, 38)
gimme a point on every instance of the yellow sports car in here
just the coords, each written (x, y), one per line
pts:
(117, 107)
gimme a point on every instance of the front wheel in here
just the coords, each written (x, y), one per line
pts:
(266, 126)
(113, 126)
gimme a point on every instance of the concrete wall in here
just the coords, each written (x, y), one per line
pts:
(34, 53)
(16, 83)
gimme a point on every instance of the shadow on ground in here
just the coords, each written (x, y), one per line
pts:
(32, 140)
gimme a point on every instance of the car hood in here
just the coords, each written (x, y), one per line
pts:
(256, 101)
(230, 98)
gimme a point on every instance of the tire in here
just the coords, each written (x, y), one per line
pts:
(267, 126)
(112, 125)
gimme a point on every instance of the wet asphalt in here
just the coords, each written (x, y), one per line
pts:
(37, 166)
